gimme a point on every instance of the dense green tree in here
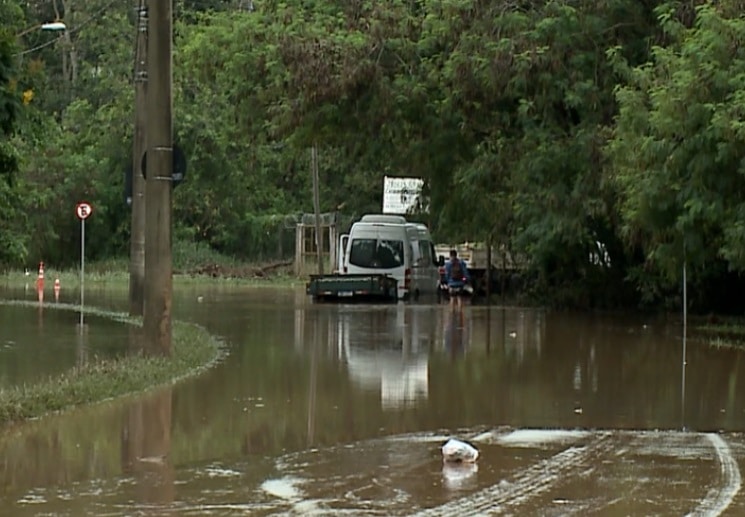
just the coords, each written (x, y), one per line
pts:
(261, 90)
(12, 246)
(677, 154)
(522, 98)
(596, 139)
(9, 103)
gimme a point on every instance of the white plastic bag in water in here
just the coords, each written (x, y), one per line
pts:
(458, 451)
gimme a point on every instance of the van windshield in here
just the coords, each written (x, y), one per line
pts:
(377, 253)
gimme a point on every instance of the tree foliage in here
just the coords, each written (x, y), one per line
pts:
(677, 156)
(9, 103)
(598, 139)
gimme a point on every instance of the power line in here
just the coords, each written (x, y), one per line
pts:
(244, 5)
(95, 16)
(39, 47)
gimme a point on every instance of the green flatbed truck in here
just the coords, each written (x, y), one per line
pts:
(349, 287)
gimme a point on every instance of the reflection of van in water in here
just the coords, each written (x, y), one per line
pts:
(386, 350)
(388, 244)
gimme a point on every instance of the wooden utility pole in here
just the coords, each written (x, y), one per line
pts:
(317, 206)
(137, 230)
(159, 183)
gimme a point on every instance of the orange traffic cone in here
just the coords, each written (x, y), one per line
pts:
(40, 278)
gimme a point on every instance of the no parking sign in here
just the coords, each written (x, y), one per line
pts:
(83, 210)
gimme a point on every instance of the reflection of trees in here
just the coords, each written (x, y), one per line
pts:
(517, 335)
(37, 344)
(59, 450)
(589, 371)
(712, 400)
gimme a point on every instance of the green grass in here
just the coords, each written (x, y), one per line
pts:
(725, 333)
(192, 262)
(120, 279)
(194, 349)
(189, 255)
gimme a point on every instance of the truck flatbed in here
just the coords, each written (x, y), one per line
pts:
(341, 287)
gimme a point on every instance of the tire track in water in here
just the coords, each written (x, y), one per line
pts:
(532, 482)
(719, 498)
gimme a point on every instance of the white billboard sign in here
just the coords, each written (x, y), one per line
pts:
(402, 195)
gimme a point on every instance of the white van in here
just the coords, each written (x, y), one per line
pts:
(389, 244)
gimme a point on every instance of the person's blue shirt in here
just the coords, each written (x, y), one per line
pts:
(464, 277)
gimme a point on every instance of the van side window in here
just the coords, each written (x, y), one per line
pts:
(376, 253)
(425, 253)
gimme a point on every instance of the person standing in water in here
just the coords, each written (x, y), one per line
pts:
(457, 276)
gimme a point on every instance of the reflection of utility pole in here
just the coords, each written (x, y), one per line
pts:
(137, 231)
(313, 388)
(488, 268)
(158, 185)
(488, 329)
(685, 356)
(146, 447)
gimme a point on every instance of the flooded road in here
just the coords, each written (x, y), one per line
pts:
(35, 344)
(326, 409)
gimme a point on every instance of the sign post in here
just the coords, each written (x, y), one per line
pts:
(82, 210)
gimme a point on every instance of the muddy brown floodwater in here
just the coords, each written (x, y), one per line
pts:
(324, 409)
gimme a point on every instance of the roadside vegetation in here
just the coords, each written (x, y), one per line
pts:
(720, 332)
(602, 141)
(191, 264)
(194, 349)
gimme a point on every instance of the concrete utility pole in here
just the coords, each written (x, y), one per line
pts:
(158, 186)
(317, 206)
(137, 230)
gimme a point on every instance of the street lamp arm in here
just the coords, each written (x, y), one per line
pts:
(59, 25)
(47, 26)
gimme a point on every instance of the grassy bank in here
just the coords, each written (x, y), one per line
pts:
(192, 263)
(246, 275)
(194, 349)
(721, 333)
